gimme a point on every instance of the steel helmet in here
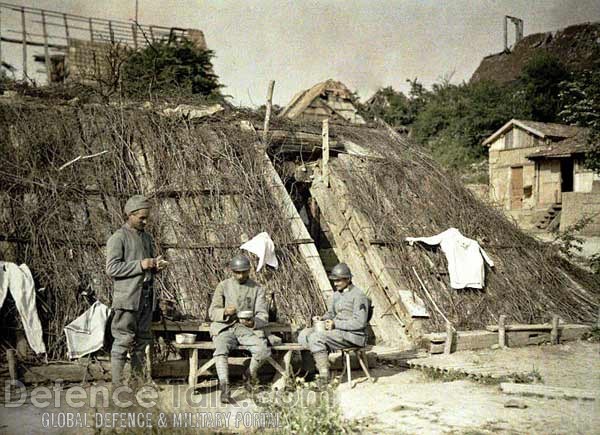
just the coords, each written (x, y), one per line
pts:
(340, 271)
(239, 263)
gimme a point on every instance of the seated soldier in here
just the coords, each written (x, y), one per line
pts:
(345, 323)
(228, 331)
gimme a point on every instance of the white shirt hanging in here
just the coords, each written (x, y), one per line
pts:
(464, 255)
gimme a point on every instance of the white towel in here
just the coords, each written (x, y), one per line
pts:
(19, 281)
(85, 334)
(264, 248)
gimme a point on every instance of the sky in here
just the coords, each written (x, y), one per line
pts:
(366, 44)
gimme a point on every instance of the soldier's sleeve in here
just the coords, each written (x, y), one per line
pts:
(261, 310)
(360, 312)
(215, 311)
(330, 314)
(116, 266)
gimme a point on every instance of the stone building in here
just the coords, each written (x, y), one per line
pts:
(537, 175)
(326, 100)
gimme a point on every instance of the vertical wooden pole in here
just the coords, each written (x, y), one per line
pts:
(134, 34)
(268, 114)
(112, 34)
(554, 336)
(151, 33)
(502, 331)
(325, 161)
(449, 338)
(66, 21)
(91, 31)
(46, 51)
(24, 35)
(0, 37)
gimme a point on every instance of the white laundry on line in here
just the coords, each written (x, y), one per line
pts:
(85, 334)
(19, 281)
(263, 247)
(464, 255)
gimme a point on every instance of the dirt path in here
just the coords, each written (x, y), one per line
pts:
(409, 402)
(401, 401)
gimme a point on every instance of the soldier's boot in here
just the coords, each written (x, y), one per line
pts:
(322, 363)
(116, 368)
(223, 375)
(251, 375)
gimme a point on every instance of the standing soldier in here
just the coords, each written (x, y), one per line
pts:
(232, 297)
(345, 322)
(131, 264)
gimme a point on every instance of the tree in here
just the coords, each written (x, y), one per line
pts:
(580, 100)
(170, 68)
(540, 79)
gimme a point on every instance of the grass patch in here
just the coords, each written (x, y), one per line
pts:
(304, 409)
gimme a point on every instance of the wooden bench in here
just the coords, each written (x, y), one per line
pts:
(196, 371)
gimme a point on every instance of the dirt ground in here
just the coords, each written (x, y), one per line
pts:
(402, 401)
(410, 402)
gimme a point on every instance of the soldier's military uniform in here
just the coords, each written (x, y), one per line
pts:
(349, 311)
(226, 331)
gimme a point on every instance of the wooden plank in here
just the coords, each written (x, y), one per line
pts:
(481, 339)
(385, 326)
(521, 327)
(198, 326)
(548, 391)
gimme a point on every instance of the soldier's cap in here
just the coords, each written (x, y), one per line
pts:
(135, 203)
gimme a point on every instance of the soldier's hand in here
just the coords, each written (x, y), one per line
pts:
(148, 263)
(161, 263)
(230, 310)
(329, 325)
(247, 322)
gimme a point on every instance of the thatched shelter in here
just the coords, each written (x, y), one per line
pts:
(213, 187)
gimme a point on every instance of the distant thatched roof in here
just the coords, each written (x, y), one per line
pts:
(303, 99)
(542, 130)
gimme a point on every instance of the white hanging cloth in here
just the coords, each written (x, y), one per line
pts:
(85, 334)
(464, 255)
(19, 281)
(263, 247)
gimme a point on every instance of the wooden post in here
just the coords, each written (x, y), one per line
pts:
(449, 338)
(502, 331)
(24, 34)
(112, 33)
(325, 168)
(554, 334)
(134, 34)
(268, 114)
(46, 51)
(0, 37)
(91, 31)
(152, 34)
(12, 365)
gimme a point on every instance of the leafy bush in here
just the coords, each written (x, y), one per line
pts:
(170, 68)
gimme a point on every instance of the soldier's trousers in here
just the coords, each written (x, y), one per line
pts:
(326, 341)
(131, 333)
(238, 334)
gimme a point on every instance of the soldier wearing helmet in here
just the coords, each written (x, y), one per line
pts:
(228, 330)
(345, 322)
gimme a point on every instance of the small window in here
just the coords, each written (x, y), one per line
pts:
(508, 141)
